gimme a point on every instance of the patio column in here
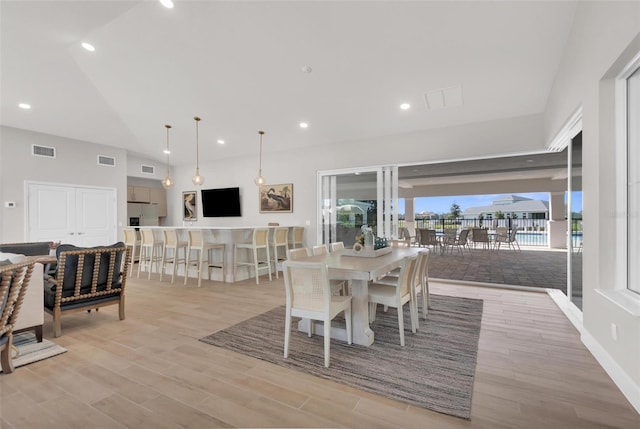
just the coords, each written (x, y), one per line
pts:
(557, 225)
(409, 214)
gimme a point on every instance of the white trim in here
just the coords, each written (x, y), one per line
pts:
(569, 309)
(627, 386)
(570, 129)
(621, 379)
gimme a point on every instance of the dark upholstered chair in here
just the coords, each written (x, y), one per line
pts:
(87, 278)
(14, 280)
(36, 248)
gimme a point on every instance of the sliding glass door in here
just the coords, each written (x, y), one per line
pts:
(574, 214)
(352, 198)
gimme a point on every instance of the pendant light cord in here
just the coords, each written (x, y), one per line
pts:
(197, 145)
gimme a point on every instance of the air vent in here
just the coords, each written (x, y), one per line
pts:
(106, 160)
(148, 169)
(37, 150)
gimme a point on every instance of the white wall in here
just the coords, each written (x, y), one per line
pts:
(600, 33)
(299, 167)
(75, 164)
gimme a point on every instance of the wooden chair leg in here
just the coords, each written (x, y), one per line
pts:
(5, 356)
(57, 329)
(121, 307)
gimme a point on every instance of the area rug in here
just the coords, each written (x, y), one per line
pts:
(435, 369)
(32, 351)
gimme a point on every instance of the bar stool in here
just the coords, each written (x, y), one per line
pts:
(297, 239)
(131, 240)
(198, 244)
(278, 240)
(150, 250)
(172, 242)
(259, 241)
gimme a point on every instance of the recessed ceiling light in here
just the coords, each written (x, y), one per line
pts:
(306, 69)
(88, 46)
(167, 151)
(167, 3)
(24, 106)
(304, 125)
(220, 141)
(405, 106)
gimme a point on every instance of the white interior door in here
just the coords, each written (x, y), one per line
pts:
(74, 215)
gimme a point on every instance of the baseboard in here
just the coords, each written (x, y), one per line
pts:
(629, 389)
(626, 385)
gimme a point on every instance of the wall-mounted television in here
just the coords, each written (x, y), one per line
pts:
(221, 202)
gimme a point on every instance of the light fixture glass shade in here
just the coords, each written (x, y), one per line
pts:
(167, 182)
(260, 180)
(197, 179)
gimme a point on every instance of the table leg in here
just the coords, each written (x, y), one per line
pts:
(362, 333)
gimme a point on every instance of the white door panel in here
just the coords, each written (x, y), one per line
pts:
(95, 217)
(51, 213)
(72, 215)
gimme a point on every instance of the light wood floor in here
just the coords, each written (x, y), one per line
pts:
(150, 371)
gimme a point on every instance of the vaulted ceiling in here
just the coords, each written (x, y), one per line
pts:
(343, 67)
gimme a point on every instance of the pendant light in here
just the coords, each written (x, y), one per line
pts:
(197, 179)
(260, 180)
(168, 181)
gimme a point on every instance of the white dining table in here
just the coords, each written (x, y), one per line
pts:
(360, 271)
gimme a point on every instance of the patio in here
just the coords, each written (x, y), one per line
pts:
(531, 268)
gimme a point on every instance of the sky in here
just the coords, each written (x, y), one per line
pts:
(443, 204)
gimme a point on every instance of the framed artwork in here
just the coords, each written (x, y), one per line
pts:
(276, 198)
(189, 206)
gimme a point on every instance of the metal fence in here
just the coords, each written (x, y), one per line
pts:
(531, 232)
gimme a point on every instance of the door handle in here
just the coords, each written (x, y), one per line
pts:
(71, 233)
(80, 233)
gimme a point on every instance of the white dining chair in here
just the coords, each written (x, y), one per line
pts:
(396, 296)
(308, 296)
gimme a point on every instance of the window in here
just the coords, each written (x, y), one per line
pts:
(633, 175)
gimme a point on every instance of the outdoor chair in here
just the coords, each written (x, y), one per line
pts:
(481, 235)
(309, 297)
(428, 237)
(510, 240)
(461, 241)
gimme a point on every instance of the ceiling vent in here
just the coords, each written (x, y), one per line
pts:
(444, 97)
(48, 152)
(148, 169)
(106, 160)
